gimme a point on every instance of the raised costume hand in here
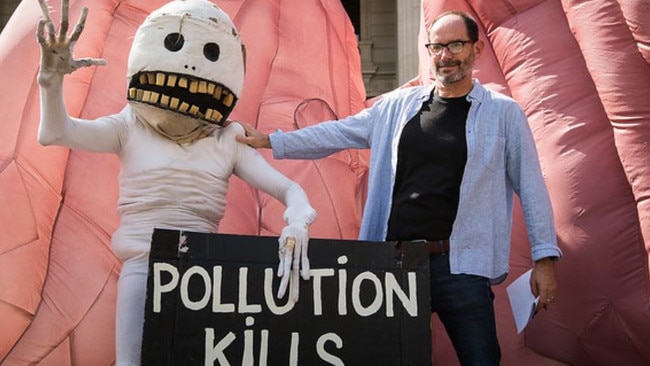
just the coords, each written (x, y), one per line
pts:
(57, 49)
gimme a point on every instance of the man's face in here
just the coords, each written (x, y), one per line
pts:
(450, 68)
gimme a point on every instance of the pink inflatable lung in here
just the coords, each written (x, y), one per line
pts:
(579, 68)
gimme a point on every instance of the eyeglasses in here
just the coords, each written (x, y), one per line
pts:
(453, 47)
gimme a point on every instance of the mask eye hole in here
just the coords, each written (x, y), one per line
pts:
(211, 51)
(174, 41)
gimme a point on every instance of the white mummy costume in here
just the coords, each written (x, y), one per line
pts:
(185, 73)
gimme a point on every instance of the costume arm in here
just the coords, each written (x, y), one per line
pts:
(56, 127)
(293, 242)
(257, 172)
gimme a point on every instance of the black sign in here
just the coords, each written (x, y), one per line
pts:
(211, 300)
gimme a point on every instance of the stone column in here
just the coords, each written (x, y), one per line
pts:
(368, 68)
(408, 26)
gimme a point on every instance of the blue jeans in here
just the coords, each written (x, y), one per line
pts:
(465, 306)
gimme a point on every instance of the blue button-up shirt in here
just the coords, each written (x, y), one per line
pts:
(501, 159)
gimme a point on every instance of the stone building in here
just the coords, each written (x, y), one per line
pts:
(387, 32)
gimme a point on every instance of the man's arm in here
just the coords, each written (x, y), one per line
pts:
(525, 174)
(319, 140)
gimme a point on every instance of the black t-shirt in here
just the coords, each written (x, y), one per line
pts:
(431, 159)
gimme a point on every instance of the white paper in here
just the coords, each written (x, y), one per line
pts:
(522, 300)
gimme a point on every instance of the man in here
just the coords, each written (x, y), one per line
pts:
(445, 161)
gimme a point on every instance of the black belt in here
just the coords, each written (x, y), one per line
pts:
(435, 246)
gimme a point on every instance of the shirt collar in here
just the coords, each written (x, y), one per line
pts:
(477, 92)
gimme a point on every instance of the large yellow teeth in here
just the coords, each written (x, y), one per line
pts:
(171, 80)
(180, 93)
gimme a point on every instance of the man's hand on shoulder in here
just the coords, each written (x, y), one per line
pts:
(252, 137)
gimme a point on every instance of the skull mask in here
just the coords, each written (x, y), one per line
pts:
(185, 69)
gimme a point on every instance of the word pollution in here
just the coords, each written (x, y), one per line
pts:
(385, 291)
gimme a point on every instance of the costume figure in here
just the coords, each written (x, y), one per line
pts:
(185, 73)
